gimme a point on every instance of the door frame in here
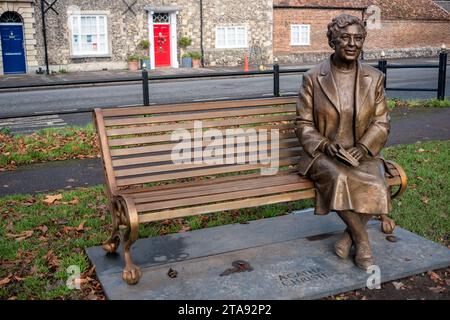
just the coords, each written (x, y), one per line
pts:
(23, 46)
(173, 37)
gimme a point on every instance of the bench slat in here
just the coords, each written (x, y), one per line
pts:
(199, 116)
(199, 173)
(168, 138)
(196, 106)
(168, 167)
(168, 147)
(219, 187)
(239, 204)
(205, 124)
(250, 150)
(210, 182)
(242, 194)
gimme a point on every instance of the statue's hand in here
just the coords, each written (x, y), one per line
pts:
(357, 152)
(330, 149)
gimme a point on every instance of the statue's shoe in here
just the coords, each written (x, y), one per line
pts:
(343, 245)
(363, 257)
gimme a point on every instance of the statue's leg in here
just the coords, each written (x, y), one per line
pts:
(358, 233)
(365, 218)
(343, 245)
(387, 224)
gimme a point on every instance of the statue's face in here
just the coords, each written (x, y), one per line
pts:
(349, 43)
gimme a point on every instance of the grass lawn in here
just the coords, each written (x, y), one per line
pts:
(47, 145)
(40, 239)
(81, 142)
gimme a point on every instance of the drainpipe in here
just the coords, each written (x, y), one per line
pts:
(44, 31)
(201, 34)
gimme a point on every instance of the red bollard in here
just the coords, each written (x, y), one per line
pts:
(245, 63)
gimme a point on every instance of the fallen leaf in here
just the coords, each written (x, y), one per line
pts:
(62, 221)
(51, 199)
(437, 289)
(21, 236)
(5, 280)
(80, 281)
(184, 229)
(434, 276)
(91, 271)
(52, 260)
(67, 229)
(43, 229)
(18, 278)
(172, 273)
(81, 226)
(398, 285)
(421, 150)
(425, 199)
(392, 238)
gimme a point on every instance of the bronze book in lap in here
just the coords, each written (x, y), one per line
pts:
(346, 157)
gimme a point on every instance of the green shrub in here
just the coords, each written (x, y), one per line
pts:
(144, 44)
(195, 55)
(184, 42)
(133, 57)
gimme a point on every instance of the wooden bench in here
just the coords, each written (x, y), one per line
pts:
(143, 183)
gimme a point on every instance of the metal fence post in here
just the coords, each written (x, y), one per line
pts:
(382, 66)
(145, 86)
(442, 73)
(276, 78)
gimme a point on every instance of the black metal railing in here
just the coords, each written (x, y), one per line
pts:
(382, 65)
(276, 72)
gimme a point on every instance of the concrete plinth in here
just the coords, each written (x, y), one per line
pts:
(289, 257)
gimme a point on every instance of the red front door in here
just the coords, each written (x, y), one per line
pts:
(161, 40)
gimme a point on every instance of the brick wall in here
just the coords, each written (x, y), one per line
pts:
(318, 21)
(398, 38)
(396, 34)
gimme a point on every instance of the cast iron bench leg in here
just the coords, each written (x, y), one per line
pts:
(113, 241)
(129, 231)
(125, 225)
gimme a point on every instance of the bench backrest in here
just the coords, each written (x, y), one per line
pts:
(137, 143)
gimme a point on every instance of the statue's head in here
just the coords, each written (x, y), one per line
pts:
(346, 35)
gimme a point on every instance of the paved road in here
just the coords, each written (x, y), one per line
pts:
(78, 99)
(408, 126)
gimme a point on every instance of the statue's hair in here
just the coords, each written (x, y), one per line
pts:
(341, 22)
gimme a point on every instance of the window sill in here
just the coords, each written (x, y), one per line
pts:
(299, 45)
(83, 56)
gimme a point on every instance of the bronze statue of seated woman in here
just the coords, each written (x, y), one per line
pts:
(342, 124)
